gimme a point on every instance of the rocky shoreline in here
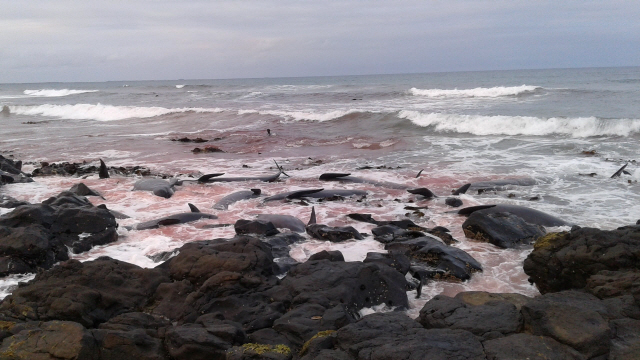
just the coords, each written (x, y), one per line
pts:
(227, 299)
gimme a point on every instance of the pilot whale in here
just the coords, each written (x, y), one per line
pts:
(180, 218)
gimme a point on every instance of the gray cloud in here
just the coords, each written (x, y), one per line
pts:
(127, 40)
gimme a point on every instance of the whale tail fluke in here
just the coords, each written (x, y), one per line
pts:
(281, 169)
(619, 172)
(419, 172)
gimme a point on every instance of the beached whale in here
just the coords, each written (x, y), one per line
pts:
(284, 222)
(158, 187)
(495, 185)
(316, 194)
(527, 214)
(180, 218)
(266, 178)
(223, 204)
(346, 177)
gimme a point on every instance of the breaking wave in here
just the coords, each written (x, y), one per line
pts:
(56, 93)
(303, 115)
(477, 92)
(523, 125)
(101, 112)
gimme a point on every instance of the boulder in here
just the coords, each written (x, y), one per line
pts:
(453, 202)
(501, 229)
(333, 234)
(89, 293)
(328, 255)
(526, 346)
(485, 315)
(52, 340)
(576, 319)
(396, 260)
(391, 336)
(457, 264)
(567, 260)
(258, 227)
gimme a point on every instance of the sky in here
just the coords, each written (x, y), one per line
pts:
(70, 40)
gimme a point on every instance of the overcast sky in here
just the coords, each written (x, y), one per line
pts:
(87, 40)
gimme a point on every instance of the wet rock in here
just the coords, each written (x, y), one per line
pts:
(193, 341)
(525, 346)
(28, 248)
(88, 293)
(186, 139)
(81, 169)
(567, 260)
(504, 230)
(390, 233)
(454, 202)
(258, 227)
(83, 190)
(328, 255)
(610, 284)
(393, 336)
(8, 202)
(397, 261)
(457, 264)
(485, 315)
(333, 234)
(207, 149)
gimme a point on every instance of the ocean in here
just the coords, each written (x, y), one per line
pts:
(568, 129)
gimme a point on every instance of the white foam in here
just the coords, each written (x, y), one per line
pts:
(492, 92)
(101, 112)
(55, 92)
(302, 115)
(179, 86)
(522, 125)
(9, 283)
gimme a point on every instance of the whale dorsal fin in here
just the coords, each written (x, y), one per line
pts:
(193, 208)
(423, 191)
(419, 172)
(331, 176)
(256, 191)
(312, 218)
(204, 178)
(104, 172)
(463, 189)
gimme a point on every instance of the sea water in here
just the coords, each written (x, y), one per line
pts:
(569, 129)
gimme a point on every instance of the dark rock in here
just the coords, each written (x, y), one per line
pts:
(390, 233)
(328, 255)
(83, 190)
(431, 251)
(89, 293)
(132, 344)
(572, 318)
(333, 234)
(455, 202)
(405, 224)
(8, 202)
(525, 346)
(625, 343)
(392, 336)
(259, 227)
(193, 341)
(51, 340)
(610, 284)
(566, 260)
(207, 149)
(504, 230)
(32, 246)
(397, 261)
(485, 315)
(29, 214)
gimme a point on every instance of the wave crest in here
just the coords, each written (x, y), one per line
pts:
(100, 112)
(303, 115)
(493, 92)
(523, 125)
(56, 92)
